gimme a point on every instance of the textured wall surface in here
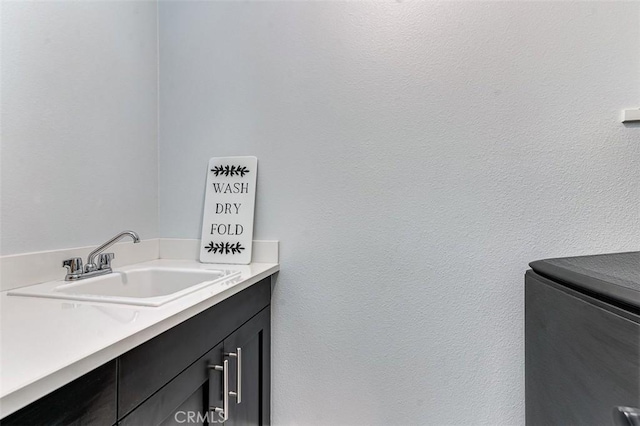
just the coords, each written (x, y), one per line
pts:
(79, 123)
(413, 157)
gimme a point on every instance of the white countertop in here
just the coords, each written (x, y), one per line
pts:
(46, 343)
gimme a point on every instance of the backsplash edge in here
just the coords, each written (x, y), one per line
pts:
(25, 269)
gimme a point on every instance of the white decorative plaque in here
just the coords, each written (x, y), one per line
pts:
(227, 230)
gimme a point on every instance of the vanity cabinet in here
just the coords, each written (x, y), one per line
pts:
(582, 342)
(242, 360)
(172, 378)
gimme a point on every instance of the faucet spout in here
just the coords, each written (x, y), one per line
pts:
(91, 265)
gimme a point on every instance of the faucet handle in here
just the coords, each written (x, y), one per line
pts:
(104, 261)
(73, 265)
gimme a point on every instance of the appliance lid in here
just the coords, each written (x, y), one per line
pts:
(615, 275)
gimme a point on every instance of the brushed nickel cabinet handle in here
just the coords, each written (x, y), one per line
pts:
(225, 390)
(626, 416)
(238, 393)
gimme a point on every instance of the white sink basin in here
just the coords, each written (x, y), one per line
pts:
(148, 286)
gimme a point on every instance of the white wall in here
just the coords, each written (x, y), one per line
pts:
(414, 157)
(79, 123)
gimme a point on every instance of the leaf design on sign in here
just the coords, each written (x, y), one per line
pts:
(230, 170)
(224, 248)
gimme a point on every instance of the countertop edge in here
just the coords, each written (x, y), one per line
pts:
(31, 392)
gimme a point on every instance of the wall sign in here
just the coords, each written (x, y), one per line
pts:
(227, 230)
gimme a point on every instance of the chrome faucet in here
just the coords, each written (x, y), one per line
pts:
(75, 271)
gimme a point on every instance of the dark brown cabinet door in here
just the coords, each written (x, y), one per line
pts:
(185, 399)
(252, 341)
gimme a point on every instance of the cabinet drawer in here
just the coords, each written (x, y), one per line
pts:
(88, 400)
(146, 368)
